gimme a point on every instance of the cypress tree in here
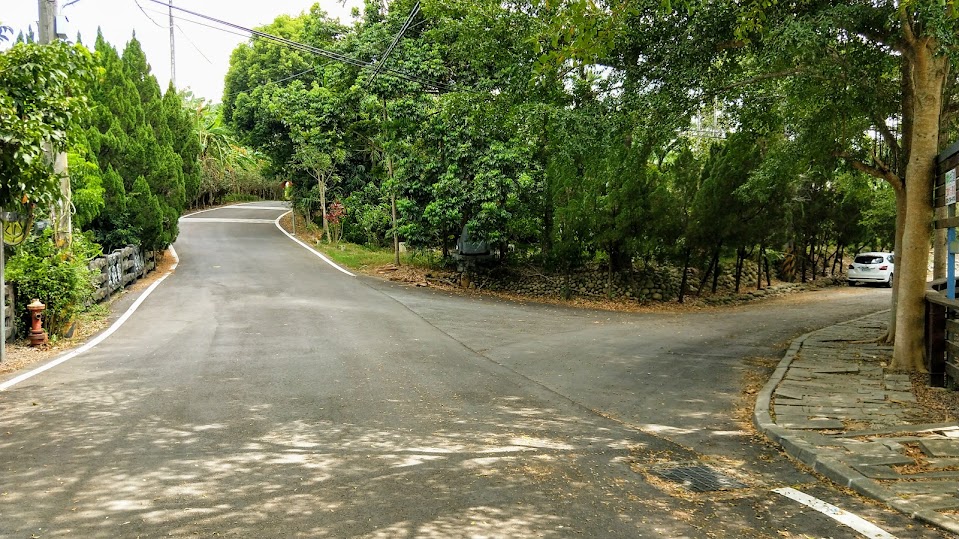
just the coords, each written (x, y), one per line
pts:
(147, 215)
(185, 142)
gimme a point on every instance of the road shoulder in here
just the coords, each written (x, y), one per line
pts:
(832, 405)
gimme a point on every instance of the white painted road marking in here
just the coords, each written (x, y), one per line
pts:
(271, 208)
(842, 516)
(99, 338)
(223, 220)
(308, 248)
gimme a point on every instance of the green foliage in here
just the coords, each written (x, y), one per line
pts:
(240, 197)
(86, 185)
(40, 94)
(368, 216)
(143, 147)
(566, 132)
(147, 216)
(59, 278)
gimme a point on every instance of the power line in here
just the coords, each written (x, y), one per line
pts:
(145, 14)
(308, 48)
(406, 25)
(190, 41)
(198, 23)
(284, 79)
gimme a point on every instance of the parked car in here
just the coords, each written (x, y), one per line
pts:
(871, 268)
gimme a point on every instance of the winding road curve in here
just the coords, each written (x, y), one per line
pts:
(259, 392)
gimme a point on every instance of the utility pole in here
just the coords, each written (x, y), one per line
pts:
(62, 215)
(172, 53)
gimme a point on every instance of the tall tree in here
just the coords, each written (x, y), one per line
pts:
(853, 65)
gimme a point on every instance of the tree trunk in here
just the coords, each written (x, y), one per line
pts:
(928, 74)
(825, 257)
(897, 248)
(939, 248)
(716, 269)
(396, 234)
(837, 260)
(713, 263)
(768, 274)
(802, 264)
(326, 228)
(609, 279)
(759, 267)
(740, 255)
(685, 281)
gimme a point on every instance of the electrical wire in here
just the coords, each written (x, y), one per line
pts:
(295, 75)
(308, 48)
(284, 79)
(145, 14)
(198, 23)
(406, 25)
(271, 37)
(190, 41)
(167, 27)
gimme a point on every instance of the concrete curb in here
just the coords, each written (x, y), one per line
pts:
(761, 417)
(795, 444)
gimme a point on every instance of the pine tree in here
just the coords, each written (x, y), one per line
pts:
(185, 142)
(147, 214)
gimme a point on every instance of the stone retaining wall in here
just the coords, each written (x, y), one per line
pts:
(119, 269)
(649, 283)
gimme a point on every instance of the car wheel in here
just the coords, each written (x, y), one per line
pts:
(889, 282)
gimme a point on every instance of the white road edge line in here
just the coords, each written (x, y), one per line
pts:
(99, 338)
(307, 247)
(224, 220)
(842, 516)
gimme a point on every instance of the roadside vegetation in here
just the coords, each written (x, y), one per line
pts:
(742, 141)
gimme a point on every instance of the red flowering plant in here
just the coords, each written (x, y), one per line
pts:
(335, 214)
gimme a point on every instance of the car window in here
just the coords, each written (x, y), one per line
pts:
(868, 259)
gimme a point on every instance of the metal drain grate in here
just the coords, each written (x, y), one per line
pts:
(697, 477)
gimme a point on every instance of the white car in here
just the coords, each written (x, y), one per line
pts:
(871, 268)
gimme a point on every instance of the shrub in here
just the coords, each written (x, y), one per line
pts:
(58, 278)
(240, 197)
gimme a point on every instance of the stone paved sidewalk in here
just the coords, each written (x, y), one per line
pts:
(832, 405)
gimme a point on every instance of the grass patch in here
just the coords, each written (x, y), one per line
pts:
(363, 258)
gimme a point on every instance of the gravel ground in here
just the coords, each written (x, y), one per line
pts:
(940, 403)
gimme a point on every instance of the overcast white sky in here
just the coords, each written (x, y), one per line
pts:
(202, 53)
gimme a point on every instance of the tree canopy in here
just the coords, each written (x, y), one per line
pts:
(574, 132)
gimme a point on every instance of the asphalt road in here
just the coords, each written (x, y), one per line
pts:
(259, 392)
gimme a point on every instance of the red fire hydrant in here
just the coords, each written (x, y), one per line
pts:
(37, 335)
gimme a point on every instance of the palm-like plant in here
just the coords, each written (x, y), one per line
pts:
(221, 156)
